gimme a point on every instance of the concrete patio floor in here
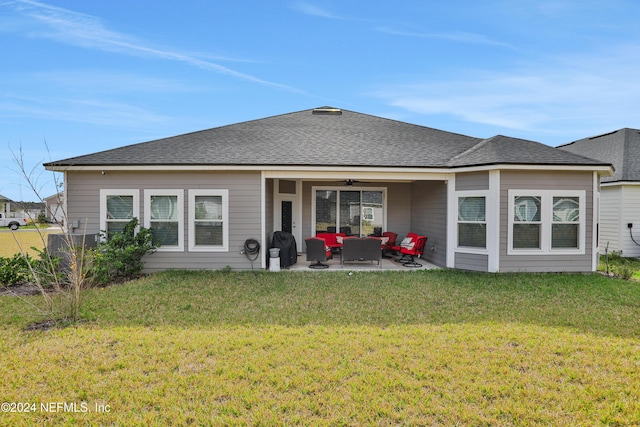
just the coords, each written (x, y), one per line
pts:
(386, 264)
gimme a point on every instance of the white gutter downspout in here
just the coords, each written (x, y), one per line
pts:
(595, 220)
(451, 222)
(263, 219)
(493, 222)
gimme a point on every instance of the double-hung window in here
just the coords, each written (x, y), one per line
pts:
(472, 222)
(117, 208)
(163, 215)
(547, 221)
(527, 222)
(209, 220)
(565, 229)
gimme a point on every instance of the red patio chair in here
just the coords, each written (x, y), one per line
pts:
(415, 251)
(390, 243)
(407, 241)
(318, 251)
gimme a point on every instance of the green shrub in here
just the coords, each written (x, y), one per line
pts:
(119, 255)
(15, 270)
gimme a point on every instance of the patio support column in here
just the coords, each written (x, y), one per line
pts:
(595, 220)
(263, 219)
(451, 221)
(493, 222)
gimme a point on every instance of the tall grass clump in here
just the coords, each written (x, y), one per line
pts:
(615, 264)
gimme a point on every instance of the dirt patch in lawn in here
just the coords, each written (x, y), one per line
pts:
(45, 325)
(23, 290)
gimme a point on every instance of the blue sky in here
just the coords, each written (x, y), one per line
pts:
(84, 76)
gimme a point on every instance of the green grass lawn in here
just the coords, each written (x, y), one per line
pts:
(388, 348)
(12, 242)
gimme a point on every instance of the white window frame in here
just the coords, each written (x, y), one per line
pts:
(546, 222)
(147, 215)
(117, 192)
(472, 249)
(225, 220)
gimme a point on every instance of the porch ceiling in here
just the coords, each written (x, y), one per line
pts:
(362, 176)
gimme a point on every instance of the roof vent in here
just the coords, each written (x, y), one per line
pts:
(328, 111)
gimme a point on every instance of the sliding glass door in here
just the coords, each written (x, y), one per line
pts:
(349, 212)
(353, 212)
(372, 213)
(326, 212)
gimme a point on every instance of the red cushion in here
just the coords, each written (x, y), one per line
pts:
(392, 239)
(327, 249)
(330, 239)
(412, 236)
(417, 247)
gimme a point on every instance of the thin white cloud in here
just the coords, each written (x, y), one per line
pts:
(78, 110)
(454, 36)
(96, 80)
(577, 94)
(91, 96)
(318, 12)
(70, 27)
(309, 9)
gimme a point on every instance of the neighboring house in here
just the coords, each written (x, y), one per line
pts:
(55, 208)
(31, 210)
(13, 209)
(5, 204)
(499, 204)
(620, 193)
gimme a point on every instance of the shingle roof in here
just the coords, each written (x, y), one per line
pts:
(328, 137)
(507, 150)
(620, 148)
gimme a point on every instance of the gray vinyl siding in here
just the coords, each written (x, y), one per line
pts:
(470, 181)
(472, 262)
(399, 208)
(545, 180)
(429, 218)
(619, 206)
(244, 210)
(611, 218)
(630, 213)
(83, 200)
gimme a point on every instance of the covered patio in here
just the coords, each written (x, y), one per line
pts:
(303, 204)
